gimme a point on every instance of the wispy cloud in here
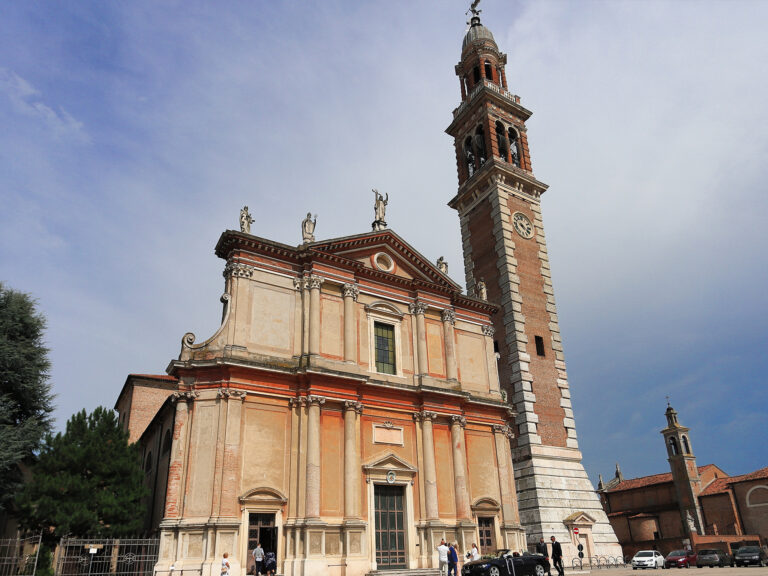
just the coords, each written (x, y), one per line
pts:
(27, 100)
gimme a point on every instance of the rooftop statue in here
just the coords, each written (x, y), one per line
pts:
(380, 210)
(245, 220)
(308, 228)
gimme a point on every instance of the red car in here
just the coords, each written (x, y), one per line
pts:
(680, 559)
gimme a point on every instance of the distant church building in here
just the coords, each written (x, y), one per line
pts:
(692, 506)
(355, 407)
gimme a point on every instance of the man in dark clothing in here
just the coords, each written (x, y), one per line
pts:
(557, 557)
(541, 548)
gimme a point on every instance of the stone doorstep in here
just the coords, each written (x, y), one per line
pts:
(412, 572)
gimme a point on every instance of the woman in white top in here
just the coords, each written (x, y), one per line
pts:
(225, 564)
(475, 552)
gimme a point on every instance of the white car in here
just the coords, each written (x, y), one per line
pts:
(647, 559)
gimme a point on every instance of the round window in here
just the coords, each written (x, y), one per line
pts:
(384, 262)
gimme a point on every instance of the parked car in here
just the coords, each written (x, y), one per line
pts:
(505, 563)
(747, 555)
(680, 559)
(713, 557)
(647, 559)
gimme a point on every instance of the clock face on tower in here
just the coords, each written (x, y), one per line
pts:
(522, 225)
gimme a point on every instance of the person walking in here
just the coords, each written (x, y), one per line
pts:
(442, 556)
(225, 564)
(258, 559)
(475, 552)
(453, 559)
(541, 548)
(270, 563)
(557, 556)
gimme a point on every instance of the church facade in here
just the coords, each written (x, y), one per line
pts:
(355, 406)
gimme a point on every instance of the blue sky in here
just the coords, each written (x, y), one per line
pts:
(132, 133)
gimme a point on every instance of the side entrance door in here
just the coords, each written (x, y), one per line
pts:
(389, 516)
(261, 528)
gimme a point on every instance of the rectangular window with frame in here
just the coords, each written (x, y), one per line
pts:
(539, 345)
(384, 335)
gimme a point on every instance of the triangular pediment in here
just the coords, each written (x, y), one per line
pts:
(389, 462)
(385, 252)
(580, 518)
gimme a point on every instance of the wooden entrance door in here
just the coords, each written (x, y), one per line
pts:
(389, 515)
(261, 528)
(487, 539)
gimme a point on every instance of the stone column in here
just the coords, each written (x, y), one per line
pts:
(176, 468)
(350, 292)
(417, 309)
(351, 460)
(229, 474)
(430, 474)
(314, 313)
(459, 468)
(313, 456)
(509, 510)
(449, 319)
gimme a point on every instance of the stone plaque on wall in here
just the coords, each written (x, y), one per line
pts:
(387, 434)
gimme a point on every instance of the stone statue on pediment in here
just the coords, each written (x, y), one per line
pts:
(308, 228)
(380, 210)
(480, 290)
(245, 220)
(442, 265)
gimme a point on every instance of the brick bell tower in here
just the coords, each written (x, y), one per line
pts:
(499, 206)
(685, 473)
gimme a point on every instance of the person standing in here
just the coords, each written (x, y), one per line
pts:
(453, 559)
(442, 556)
(258, 559)
(541, 548)
(225, 564)
(557, 556)
(475, 552)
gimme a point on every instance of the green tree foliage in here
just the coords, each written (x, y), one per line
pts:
(86, 481)
(26, 401)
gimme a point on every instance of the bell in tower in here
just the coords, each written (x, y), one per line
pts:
(499, 206)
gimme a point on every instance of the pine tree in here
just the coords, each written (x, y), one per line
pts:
(26, 401)
(86, 481)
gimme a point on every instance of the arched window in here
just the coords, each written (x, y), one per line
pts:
(167, 442)
(466, 85)
(686, 446)
(469, 156)
(480, 145)
(476, 74)
(514, 151)
(673, 446)
(501, 141)
(488, 71)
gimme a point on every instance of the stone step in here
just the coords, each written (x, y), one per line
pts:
(414, 572)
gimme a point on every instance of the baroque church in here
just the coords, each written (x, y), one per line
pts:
(390, 409)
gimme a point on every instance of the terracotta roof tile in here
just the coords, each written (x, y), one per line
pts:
(154, 377)
(721, 485)
(645, 481)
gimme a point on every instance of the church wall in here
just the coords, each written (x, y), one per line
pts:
(435, 348)
(752, 500)
(332, 463)
(473, 367)
(266, 447)
(643, 528)
(202, 452)
(269, 326)
(643, 498)
(331, 327)
(482, 466)
(718, 511)
(620, 525)
(671, 524)
(444, 465)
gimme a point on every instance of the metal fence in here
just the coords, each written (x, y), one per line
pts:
(114, 557)
(18, 556)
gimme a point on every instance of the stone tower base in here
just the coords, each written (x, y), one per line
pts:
(556, 497)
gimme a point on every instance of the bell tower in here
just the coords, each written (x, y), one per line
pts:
(502, 231)
(685, 473)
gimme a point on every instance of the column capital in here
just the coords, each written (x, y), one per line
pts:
(489, 330)
(300, 283)
(300, 401)
(184, 396)
(449, 316)
(417, 307)
(237, 270)
(352, 405)
(504, 430)
(350, 290)
(315, 282)
(312, 400)
(424, 415)
(229, 393)
(458, 420)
